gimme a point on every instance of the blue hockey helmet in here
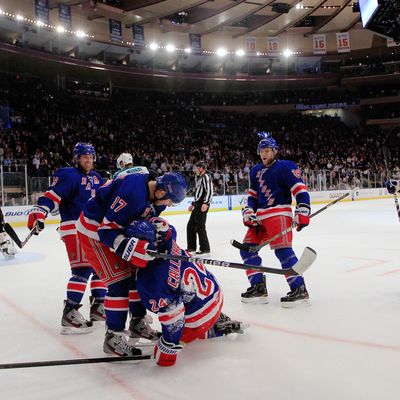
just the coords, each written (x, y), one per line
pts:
(143, 230)
(267, 141)
(174, 185)
(81, 149)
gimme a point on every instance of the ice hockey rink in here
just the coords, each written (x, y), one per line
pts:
(346, 345)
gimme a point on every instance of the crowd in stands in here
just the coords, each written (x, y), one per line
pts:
(44, 125)
(283, 96)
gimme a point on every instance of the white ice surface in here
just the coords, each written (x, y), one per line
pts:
(346, 345)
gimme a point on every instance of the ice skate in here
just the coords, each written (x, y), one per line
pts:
(115, 343)
(97, 312)
(296, 297)
(256, 294)
(139, 328)
(73, 322)
(226, 326)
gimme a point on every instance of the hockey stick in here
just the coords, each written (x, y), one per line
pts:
(72, 362)
(13, 235)
(307, 258)
(386, 159)
(254, 249)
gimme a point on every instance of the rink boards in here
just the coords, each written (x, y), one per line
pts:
(17, 215)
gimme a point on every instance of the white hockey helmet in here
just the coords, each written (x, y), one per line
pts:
(124, 159)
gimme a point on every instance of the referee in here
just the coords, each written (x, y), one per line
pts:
(199, 209)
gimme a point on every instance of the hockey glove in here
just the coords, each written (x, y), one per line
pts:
(165, 353)
(36, 218)
(249, 217)
(302, 216)
(162, 229)
(135, 251)
(393, 186)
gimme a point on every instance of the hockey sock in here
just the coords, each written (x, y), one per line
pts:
(116, 304)
(97, 288)
(254, 277)
(287, 259)
(77, 285)
(136, 308)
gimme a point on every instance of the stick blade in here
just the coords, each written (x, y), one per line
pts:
(13, 235)
(240, 246)
(306, 260)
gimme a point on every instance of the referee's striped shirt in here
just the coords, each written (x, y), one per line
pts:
(204, 189)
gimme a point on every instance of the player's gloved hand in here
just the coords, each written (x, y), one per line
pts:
(36, 218)
(302, 216)
(393, 186)
(165, 353)
(162, 229)
(135, 251)
(249, 217)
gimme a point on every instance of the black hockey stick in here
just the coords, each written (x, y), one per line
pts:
(254, 249)
(13, 235)
(307, 258)
(72, 362)
(386, 159)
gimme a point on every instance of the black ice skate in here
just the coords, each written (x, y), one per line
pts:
(295, 297)
(226, 326)
(96, 310)
(139, 328)
(257, 294)
(73, 322)
(115, 343)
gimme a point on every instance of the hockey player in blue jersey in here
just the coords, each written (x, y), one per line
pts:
(186, 297)
(114, 254)
(268, 212)
(69, 191)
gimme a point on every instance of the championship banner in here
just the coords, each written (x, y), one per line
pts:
(392, 43)
(273, 46)
(115, 30)
(319, 44)
(195, 42)
(42, 10)
(343, 42)
(250, 44)
(64, 16)
(138, 35)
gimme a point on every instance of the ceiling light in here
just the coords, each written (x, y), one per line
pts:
(221, 52)
(170, 48)
(153, 46)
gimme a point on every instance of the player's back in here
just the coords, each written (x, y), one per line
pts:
(166, 281)
(128, 192)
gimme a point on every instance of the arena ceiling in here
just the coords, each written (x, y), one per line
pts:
(235, 17)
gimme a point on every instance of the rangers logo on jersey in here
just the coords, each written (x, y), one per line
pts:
(297, 173)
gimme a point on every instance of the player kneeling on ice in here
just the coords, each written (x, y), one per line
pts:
(185, 296)
(114, 252)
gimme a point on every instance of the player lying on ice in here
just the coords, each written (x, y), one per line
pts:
(185, 296)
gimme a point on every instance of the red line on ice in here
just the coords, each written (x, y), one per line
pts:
(75, 350)
(325, 338)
